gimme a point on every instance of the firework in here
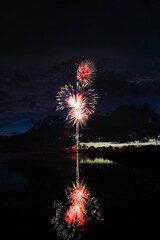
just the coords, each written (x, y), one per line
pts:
(79, 102)
(86, 72)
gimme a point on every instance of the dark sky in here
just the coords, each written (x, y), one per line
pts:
(40, 44)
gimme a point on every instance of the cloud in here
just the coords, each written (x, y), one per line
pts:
(147, 79)
(35, 89)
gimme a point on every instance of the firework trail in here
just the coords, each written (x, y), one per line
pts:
(80, 103)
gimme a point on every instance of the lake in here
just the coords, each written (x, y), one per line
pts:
(128, 196)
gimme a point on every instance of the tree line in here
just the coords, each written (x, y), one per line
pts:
(125, 123)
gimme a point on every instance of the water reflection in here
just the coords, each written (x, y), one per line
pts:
(96, 160)
(129, 197)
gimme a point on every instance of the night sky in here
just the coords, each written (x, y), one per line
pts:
(40, 44)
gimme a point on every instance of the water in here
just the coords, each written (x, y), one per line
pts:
(128, 196)
(12, 181)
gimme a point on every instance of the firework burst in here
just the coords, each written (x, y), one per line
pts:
(79, 102)
(86, 72)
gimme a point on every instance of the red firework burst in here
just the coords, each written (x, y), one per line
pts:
(86, 72)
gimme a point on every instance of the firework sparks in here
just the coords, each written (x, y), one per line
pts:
(86, 72)
(80, 103)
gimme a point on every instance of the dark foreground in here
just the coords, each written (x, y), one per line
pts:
(128, 197)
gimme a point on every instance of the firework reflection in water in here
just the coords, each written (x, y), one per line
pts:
(81, 207)
(70, 219)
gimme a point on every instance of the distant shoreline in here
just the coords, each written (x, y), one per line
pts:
(117, 144)
(142, 155)
(133, 155)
